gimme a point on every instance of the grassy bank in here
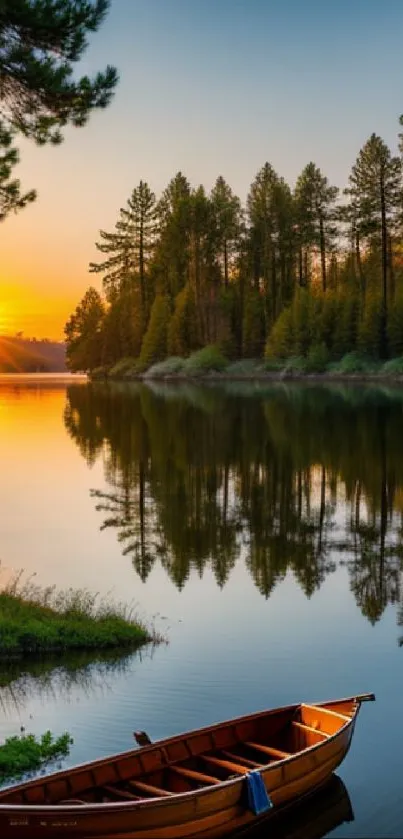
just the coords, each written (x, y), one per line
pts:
(35, 621)
(209, 363)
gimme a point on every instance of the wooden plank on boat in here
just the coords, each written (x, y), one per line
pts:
(302, 727)
(268, 750)
(157, 792)
(226, 764)
(119, 793)
(252, 763)
(201, 777)
(319, 709)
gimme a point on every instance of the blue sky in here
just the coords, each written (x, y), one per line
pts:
(207, 87)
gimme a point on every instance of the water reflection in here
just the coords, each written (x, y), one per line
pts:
(310, 819)
(289, 478)
(47, 679)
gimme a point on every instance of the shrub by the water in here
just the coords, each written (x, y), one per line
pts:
(125, 368)
(353, 362)
(394, 367)
(318, 358)
(246, 367)
(99, 373)
(208, 360)
(27, 753)
(169, 367)
(295, 364)
(154, 346)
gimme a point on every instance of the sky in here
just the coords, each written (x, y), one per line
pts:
(207, 87)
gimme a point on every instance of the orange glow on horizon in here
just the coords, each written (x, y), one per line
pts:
(35, 313)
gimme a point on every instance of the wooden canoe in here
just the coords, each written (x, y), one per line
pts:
(199, 784)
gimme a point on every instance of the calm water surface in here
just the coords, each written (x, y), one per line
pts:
(260, 528)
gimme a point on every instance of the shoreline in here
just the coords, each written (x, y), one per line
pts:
(266, 377)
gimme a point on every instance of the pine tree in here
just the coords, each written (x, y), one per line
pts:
(375, 185)
(118, 268)
(83, 332)
(40, 42)
(130, 247)
(182, 329)
(154, 346)
(11, 199)
(315, 218)
(171, 258)
(204, 272)
(271, 239)
(140, 219)
(262, 236)
(227, 221)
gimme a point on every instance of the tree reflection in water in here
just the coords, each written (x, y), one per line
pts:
(288, 477)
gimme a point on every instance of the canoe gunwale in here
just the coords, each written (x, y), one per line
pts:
(157, 801)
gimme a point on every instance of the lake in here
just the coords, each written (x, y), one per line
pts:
(258, 527)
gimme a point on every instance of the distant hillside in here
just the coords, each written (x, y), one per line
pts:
(24, 355)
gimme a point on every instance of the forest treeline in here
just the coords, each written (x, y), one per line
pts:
(309, 272)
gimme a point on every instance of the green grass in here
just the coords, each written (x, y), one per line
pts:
(27, 753)
(35, 621)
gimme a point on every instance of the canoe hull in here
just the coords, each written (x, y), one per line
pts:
(209, 813)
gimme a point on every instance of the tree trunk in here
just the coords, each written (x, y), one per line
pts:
(359, 263)
(384, 233)
(141, 267)
(225, 263)
(306, 272)
(300, 268)
(273, 285)
(322, 252)
(391, 269)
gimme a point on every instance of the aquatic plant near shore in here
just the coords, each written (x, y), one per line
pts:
(27, 753)
(36, 620)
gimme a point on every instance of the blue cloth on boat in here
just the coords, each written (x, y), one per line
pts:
(259, 800)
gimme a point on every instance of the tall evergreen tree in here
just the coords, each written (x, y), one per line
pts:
(171, 259)
(118, 268)
(270, 215)
(227, 220)
(130, 247)
(204, 271)
(315, 219)
(376, 189)
(140, 223)
(83, 333)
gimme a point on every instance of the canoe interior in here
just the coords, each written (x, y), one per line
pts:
(194, 761)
